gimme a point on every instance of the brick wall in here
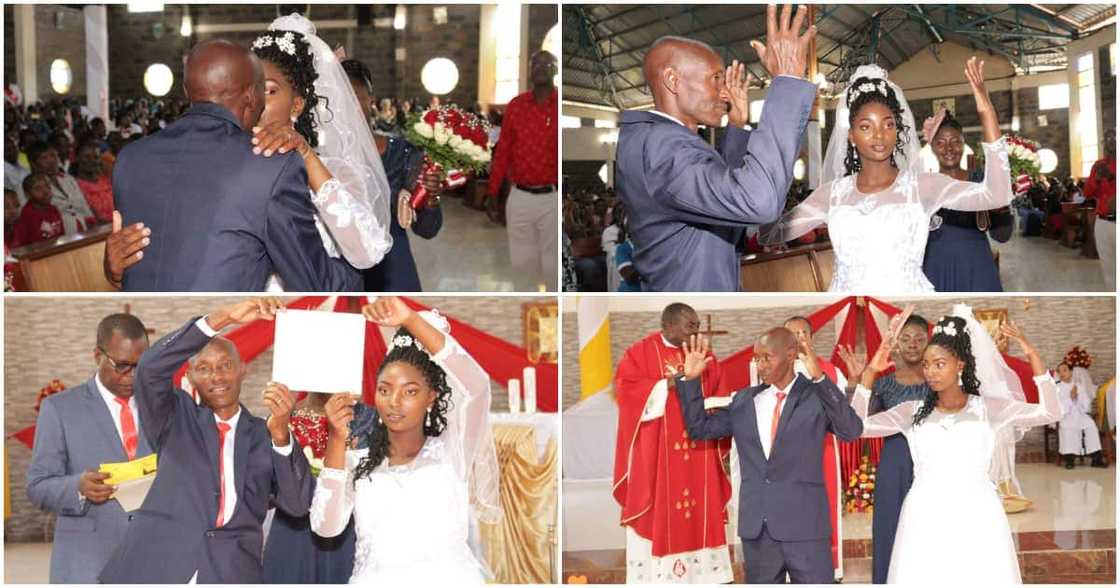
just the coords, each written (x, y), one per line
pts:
(1054, 324)
(1107, 83)
(424, 40)
(542, 17)
(50, 338)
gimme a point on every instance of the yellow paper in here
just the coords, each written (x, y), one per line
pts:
(129, 470)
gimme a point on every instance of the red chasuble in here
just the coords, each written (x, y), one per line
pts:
(831, 466)
(673, 490)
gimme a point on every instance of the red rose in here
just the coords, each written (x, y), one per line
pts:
(431, 117)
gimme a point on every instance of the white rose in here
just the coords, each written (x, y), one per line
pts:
(455, 141)
(441, 135)
(423, 129)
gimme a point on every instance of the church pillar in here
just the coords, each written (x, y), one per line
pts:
(97, 60)
(26, 75)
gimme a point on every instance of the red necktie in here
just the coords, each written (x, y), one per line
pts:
(223, 428)
(128, 428)
(774, 420)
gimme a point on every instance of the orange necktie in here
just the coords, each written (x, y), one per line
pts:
(128, 428)
(774, 419)
(223, 428)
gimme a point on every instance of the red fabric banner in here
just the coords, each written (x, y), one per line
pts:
(503, 360)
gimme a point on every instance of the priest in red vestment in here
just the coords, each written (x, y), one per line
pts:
(673, 490)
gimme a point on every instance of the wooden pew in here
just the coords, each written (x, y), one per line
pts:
(71, 263)
(806, 268)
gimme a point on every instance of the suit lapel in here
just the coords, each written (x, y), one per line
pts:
(208, 425)
(796, 394)
(751, 419)
(241, 453)
(103, 422)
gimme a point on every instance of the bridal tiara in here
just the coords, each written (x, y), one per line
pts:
(285, 43)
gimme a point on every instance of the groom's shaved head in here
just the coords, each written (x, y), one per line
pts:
(677, 71)
(226, 74)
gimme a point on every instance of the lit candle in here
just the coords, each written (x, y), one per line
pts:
(514, 390)
(530, 378)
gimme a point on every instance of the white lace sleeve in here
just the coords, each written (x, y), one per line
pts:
(333, 502)
(351, 223)
(468, 436)
(940, 191)
(896, 420)
(811, 213)
(1004, 412)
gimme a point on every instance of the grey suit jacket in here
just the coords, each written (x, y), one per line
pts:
(75, 432)
(688, 204)
(785, 492)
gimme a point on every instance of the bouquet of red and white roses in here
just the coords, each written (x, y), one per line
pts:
(454, 140)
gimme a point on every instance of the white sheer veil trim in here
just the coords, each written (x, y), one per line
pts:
(999, 381)
(483, 472)
(346, 144)
(908, 161)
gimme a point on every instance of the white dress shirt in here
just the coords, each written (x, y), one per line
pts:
(764, 403)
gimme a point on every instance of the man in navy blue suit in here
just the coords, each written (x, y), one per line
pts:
(222, 218)
(779, 429)
(219, 466)
(688, 204)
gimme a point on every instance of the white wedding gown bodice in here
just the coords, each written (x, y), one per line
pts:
(879, 239)
(412, 521)
(953, 496)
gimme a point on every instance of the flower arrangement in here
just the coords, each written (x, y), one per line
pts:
(1078, 357)
(452, 139)
(860, 494)
(53, 387)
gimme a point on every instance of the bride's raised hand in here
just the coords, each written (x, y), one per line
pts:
(279, 137)
(389, 311)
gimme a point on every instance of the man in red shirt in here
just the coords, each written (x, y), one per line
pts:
(1102, 186)
(526, 156)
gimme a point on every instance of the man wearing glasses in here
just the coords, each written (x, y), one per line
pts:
(77, 430)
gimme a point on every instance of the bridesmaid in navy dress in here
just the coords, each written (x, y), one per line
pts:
(958, 255)
(896, 468)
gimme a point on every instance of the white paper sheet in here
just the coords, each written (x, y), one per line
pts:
(131, 494)
(318, 351)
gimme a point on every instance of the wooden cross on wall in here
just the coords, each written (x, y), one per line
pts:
(709, 332)
(128, 310)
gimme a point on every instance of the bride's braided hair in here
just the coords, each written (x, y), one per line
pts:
(877, 90)
(299, 67)
(950, 334)
(434, 425)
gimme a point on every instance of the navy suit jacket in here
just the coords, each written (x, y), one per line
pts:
(785, 492)
(222, 218)
(172, 535)
(75, 432)
(688, 203)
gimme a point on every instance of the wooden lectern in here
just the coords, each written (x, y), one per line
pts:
(71, 263)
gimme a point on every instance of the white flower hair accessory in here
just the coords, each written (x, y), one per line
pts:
(285, 43)
(946, 326)
(403, 341)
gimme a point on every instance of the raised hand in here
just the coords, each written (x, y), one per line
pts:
(279, 137)
(735, 82)
(898, 321)
(809, 356)
(881, 361)
(855, 363)
(1012, 331)
(696, 356)
(245, 312)
(785, 52)
(389, 311)
(124, 248)
(340, 411)
(92, 485)
(280, 402)
(974, 71)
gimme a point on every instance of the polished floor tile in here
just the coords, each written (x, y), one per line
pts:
(1035, 264)
(470, 254)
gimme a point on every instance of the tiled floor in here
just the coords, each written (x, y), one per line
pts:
(470, 254)
(1034, 264)
(1067, 536)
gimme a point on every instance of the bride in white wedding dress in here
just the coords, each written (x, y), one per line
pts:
(874, 197)
(429, 471)
(974, 399)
